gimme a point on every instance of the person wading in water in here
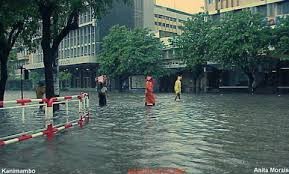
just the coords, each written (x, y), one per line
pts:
(178, 88)
(149, 95)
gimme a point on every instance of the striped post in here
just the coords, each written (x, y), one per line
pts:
(50, 129)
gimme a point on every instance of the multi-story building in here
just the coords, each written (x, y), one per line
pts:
(163, 21)
(78, 52)
(272, 10)
(268, 8)
(169, 22)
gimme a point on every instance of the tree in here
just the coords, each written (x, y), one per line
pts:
(193, 44)
(35, 77)
(12, 58)
(130, 52)
(280, 39)
(59, 17)
(16, 17)
(64, 77)
(241, 39)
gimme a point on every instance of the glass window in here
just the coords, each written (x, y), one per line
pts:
(93, 49)
(80, 20)
(77, 51)
(85, 50)
(84, 18)
(89, 16)
(92, 37)
(81, 52)
(81, 36)
(70, 52)
(262, 10)
(271, 9)
(78, 37)
(283, 8)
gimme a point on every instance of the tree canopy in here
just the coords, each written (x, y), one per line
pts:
(240, 39)
(131, 52)
(280, 39)
(235, 39)
(18, 22)
(194, 41)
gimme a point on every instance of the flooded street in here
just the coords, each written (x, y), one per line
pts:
(202, 134)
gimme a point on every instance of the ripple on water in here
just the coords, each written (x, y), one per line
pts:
(203, 134)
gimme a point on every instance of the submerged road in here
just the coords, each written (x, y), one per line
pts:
(202, 134)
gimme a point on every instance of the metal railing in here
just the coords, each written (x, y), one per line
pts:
(49, 128)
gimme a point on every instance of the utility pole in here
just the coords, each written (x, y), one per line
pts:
(21, 81)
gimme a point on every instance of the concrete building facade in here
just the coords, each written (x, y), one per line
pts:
(268, 8)
(78, 52)
(169, 22)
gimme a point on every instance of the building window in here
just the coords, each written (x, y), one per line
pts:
(82, 51)
(262, 10)
(283, 8)
(78, 52)
(89, 51)
(271, 9)
(93, 49)
(92, 36)
(85, 51)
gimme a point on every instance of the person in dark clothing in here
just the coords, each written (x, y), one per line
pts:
(102, 90)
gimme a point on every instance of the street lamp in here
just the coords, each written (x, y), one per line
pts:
(25, 77)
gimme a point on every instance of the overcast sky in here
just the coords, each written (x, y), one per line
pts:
(191, 6)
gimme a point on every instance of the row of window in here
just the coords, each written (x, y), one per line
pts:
(269, 9)
(165, 17)
(84, 35)
(87, 50)
(85, 17)
(165, 25)
(212, 1)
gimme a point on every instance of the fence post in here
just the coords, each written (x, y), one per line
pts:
(49, 114)
(87, 101)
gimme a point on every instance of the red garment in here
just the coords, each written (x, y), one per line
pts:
(150, 98)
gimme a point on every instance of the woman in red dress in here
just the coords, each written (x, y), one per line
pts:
(150, 98)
